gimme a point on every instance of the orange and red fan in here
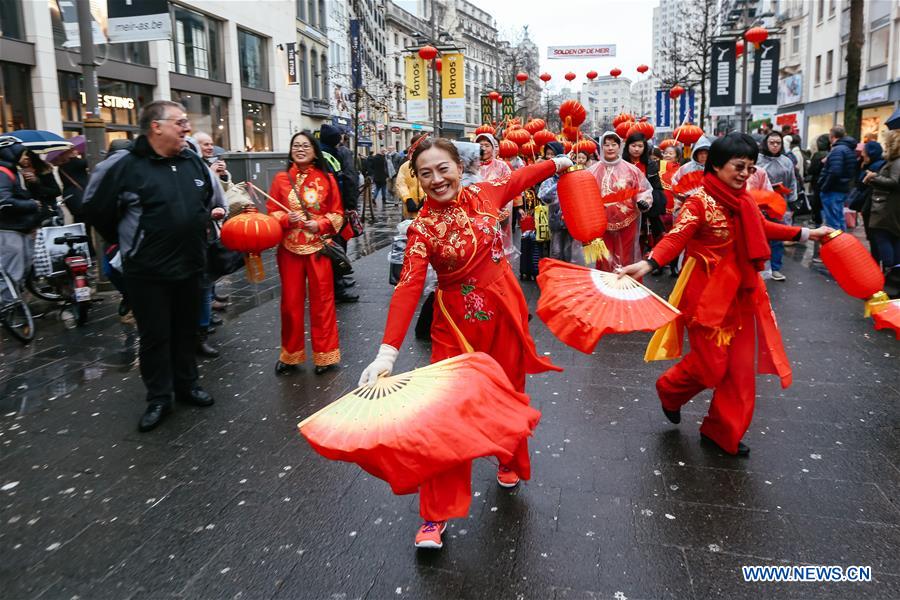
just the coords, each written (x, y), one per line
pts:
(580, 305)
(886, 315)
(772, 204)
(407, 428)
(688, 183)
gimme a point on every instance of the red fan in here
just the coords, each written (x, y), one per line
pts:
(389, 427)
(620, 195)
(781, 189)
(887, 315)
(772, 203)
(580, 305)
(688, 183)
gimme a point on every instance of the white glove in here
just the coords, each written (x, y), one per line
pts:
(562, 163)
(382, 365)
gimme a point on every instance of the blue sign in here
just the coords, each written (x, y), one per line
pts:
(686, 106)
(356, 79)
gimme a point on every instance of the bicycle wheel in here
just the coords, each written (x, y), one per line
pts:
(16, 318)
(42, 287)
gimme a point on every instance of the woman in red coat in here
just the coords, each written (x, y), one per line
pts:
(722, 297)
(312, 194)
(479, 305)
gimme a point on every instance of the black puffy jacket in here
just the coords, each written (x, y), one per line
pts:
(18, 210)
(840, 168)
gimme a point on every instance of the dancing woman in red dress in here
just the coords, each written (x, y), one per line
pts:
(724, 303)
(479, 305)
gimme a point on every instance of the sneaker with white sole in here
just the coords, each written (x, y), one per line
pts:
(429, 535)
(778, 276)
(506, 477)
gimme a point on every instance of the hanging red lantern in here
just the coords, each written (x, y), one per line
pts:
(485, 129)
(529, 150)
(586, 146)
(738, 48)
(567, 146)
(667, 143)
(621, 118)
(688, 134)
(756, 36)
(251, 232)
(676, 91)
(498, 97)
(570, 76)
(544, 137)
(623, 128)
(518, 136)
(643, 127)
(592, 75)
(508, 149)
(545, 77)
(615, 72)
(571, 133)
(642, 69)
(572, 113)
(582, 204)
(852, 266)
(521, 77)
(427, 52)
(438, 65)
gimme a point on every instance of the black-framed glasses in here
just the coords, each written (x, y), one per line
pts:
(301, 146)
(178, 122)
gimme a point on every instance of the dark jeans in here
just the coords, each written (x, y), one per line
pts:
(166, 314)
(380, 190)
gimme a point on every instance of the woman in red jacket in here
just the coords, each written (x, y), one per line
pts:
(722, 297)
(312, 194)
(479, 306)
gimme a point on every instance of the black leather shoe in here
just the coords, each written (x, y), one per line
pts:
(323, 369)
(153, 416)
(215, 320)
(204, 349)
(348, 281)
(673, 415)
(197, 396)
(284, 368)
(346, 298)
(742, 449)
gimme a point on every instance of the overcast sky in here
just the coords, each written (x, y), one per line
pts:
(626, 23)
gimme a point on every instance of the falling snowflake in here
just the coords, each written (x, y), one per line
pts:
(715, 548)
(816, 456)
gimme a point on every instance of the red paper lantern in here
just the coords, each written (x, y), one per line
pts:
(642, 127)
(851, 265)
(570, 76)
(529, 150)
(571, 133)
(518, 136)
(427, 52)
(623, 128)
(572, 113)
(543, 137)
(438, 65)
(496, 97)
(521, 77)
(485, 129)
(567, 146)
(642, 69)
(535, 125)
(688, 134)
(621, 118)
(580, 201)
(251, 232)
(508, 149)
(592, 75)
(586, 146)
(676, 91)
(667, 143)
(615, 72)
(756, 36)
(738, 48)
(545, 77)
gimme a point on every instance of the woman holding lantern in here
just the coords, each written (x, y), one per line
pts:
(479, 306)
(311, 193)
(722, 297)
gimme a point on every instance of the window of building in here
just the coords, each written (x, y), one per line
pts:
(821, 11)
(829, 66)
(795, 39)
(15, 97)
(323, 68)
(303, 69)
(314, 73)
(196, 44)
(311, 12)
(254, 67)
(322, 16)
(257, 130)
(136, 53)
(818, 78)
(879, 44)
(301, 10)
(11, 20)
(208, 114)
(120, 103)
(832, 7)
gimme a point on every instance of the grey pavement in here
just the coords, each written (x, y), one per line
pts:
(230, 502)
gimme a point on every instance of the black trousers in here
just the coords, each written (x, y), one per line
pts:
(166, 314)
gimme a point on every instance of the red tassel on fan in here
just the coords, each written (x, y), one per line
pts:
(688, 183)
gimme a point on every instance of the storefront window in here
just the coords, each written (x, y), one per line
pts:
(257, 127)
(208, 114)
(120, 102)
(254, 69)
(136, 53)
(11, 20)
(873, 119)
(15, 97)
(196, 45)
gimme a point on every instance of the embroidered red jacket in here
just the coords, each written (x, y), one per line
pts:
(319, 195)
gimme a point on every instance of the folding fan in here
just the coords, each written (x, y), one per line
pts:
(407, 428)
(887, 315)
(781, 189)
(688, 183)
(620, 195)
(580, 305)
(772, 203)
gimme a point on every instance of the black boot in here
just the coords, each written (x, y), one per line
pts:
(203, 347)
(673, 415)
(742, 449)
(282, 368)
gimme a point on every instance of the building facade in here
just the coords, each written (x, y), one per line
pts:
(312, 63)
(225, 62)
(604, 98)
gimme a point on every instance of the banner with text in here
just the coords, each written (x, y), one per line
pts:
(589, 51)
(453, 88)
(356, 57)
(765, 78)
(722, 89)
(291, 52)
(487, 110)
(416, 89)
(144, 21)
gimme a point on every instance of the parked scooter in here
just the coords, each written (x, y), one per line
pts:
(69, 282)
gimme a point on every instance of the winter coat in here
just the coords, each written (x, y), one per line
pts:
(840, 166)
(885, 212)
(780, 169)
(378, 169)
(18, 210)
(406, 187)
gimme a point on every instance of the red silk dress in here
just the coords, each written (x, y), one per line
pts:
(623, 219)
(722, 357)
(300, 263)
(478, 306)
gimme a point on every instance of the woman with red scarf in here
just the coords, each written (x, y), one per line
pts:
(722, 297)
(312, 194)
(479, 306)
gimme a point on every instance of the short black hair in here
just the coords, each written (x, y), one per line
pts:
(733, 145)
(319, 161)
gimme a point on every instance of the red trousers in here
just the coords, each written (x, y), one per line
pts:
(729, 370)
(296, 270)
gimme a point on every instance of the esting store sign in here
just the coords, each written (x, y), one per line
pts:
(109, 101)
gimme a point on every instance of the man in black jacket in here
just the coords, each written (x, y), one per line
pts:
(155, 201)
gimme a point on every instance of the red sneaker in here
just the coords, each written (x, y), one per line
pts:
(429, 535)
(506, 477)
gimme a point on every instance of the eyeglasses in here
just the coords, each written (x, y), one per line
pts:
(740, 167)
(301, 146)
(178, 122)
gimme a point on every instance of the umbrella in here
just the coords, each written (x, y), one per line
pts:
(893, 122)
(40, 141)
(79, 144)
